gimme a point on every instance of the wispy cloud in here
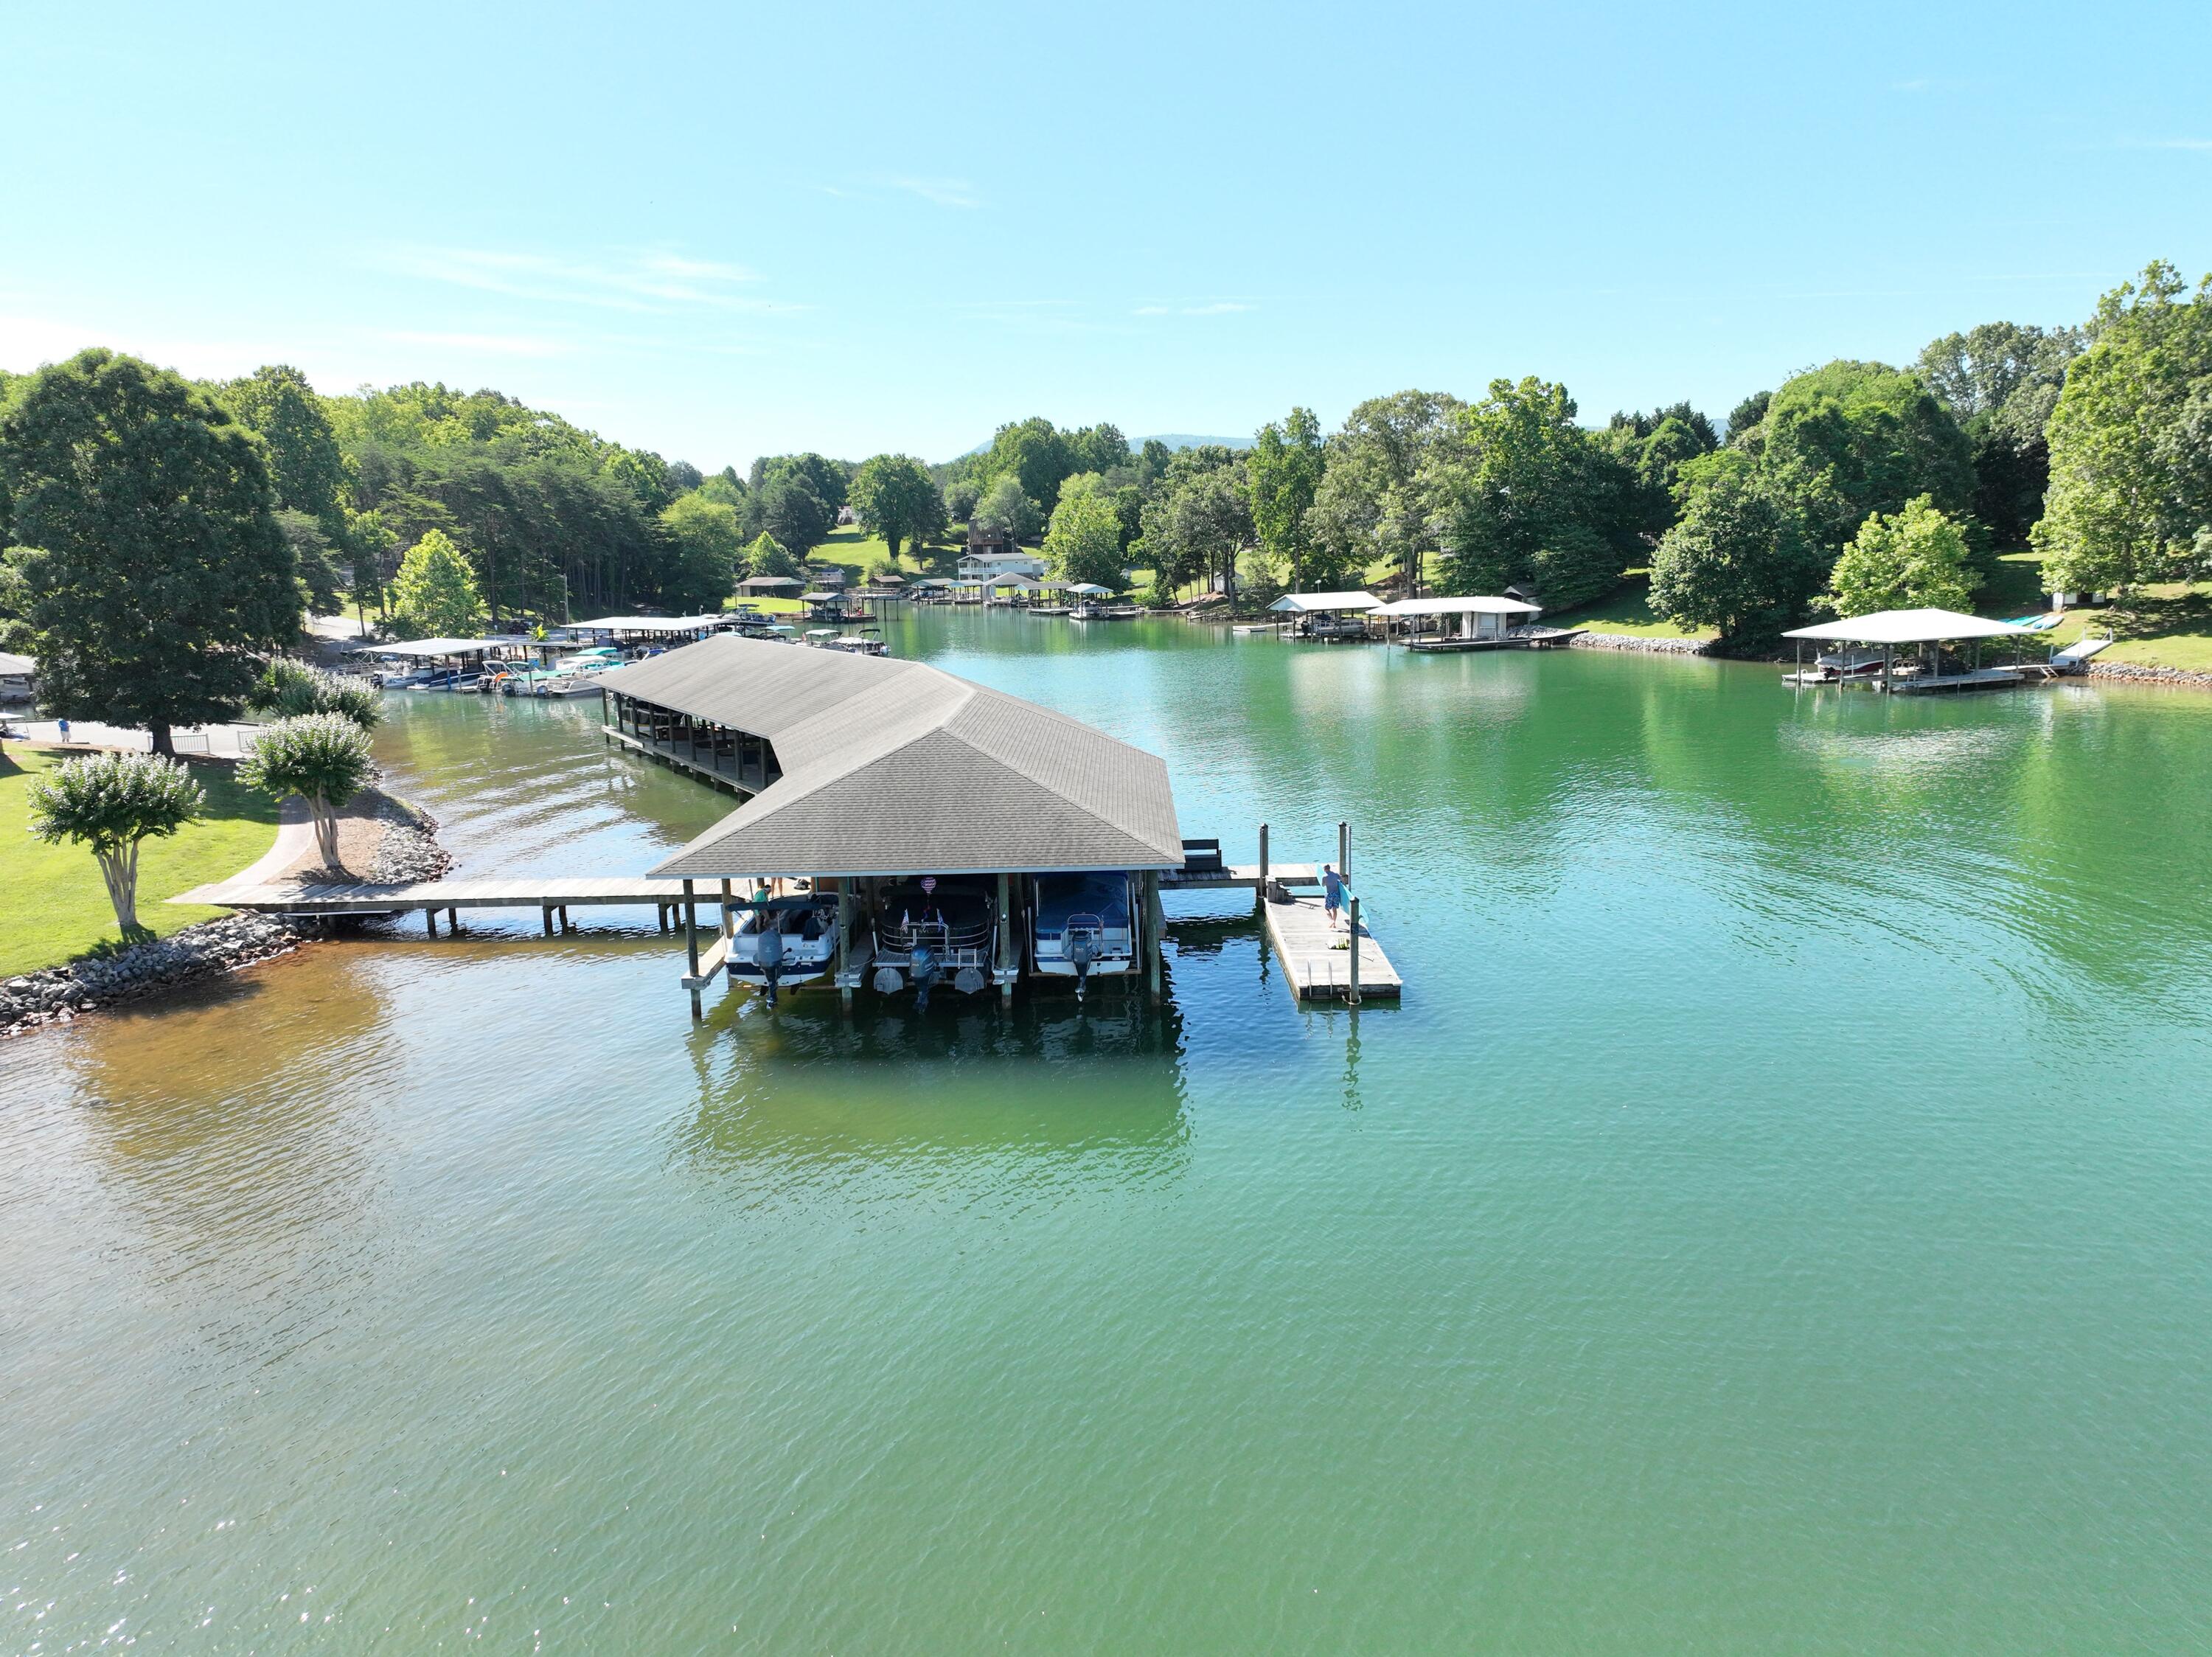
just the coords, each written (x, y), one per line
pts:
(634, 281)
(1211, 307)
(497, 345)
(944, 192)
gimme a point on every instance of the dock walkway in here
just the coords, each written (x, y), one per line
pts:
(1317, 970)
(1231, 876)
(366, 898)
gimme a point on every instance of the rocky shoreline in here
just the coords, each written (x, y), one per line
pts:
(2133, 673)
(62, 994)
(1649, 646)
(407, 850)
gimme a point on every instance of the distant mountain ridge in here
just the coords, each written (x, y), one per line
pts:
(1172, 439)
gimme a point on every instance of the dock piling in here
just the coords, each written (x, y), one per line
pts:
(1344, 850)
(430, 920)
(1263, 862)
(691, 943)
(548, 914)
(1353, 997)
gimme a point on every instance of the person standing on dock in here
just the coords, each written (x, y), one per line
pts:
(1332, 894)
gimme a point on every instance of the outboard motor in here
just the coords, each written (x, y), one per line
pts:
(927, 969)
(771, 956)
(1082, 949)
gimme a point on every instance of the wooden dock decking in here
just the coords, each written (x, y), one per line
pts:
(1231, 876)
(1299, 930)
(548, 896)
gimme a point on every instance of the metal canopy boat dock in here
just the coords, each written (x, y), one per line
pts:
(1484, 624)
(1923, 633)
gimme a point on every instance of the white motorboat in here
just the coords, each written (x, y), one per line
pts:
(1081, 924)
(780, 941)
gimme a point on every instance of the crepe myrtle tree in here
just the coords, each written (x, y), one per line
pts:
(322, 758)
(113, 802)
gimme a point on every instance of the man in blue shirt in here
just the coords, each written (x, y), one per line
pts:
(1332, 893)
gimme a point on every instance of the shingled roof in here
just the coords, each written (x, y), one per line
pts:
(897, 768)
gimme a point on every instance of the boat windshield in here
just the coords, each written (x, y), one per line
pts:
(1101, 893)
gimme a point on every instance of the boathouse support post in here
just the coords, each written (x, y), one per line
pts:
(1354, 950)
(1155, 924)
(729, 928)
(691, 943)
(1006, 939)
(430, 920)
(547, 909)
(844, 942)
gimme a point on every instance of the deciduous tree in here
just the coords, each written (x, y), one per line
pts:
(1084, 541)
(2127, 505)
(704, 532)
(1903, 561)
(1285, 469)
(113, 802)
(150, 568)
(434, 595)
(893, 497)
(1739, 561)
(322, 758)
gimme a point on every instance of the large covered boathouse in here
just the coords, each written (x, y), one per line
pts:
(902, 829)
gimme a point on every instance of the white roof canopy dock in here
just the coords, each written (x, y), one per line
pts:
(1307, 604)
(1088, 589)
(437, 647)
(654, 624)
(1466, 606)
(893, 768)
(1909, 627)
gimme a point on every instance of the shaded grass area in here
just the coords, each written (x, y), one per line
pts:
(2168, 625)
(54, 907)
(1626, 609)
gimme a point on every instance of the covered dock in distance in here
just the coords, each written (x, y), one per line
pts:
(438, 663)
(647, 630)
(911, 815)
(1921, 635)
(1327, 617)
(1483, 624)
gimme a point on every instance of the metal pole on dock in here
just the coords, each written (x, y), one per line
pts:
(1344, 850)
(1263, 862)
(691, 943)
(1355, 952)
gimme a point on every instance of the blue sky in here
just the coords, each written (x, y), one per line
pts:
(719, 231)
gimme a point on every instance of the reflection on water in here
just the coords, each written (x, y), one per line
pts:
(1780, 1202)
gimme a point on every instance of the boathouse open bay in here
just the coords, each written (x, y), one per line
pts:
(1776, 1219)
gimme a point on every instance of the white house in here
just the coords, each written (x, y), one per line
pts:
(980, 566)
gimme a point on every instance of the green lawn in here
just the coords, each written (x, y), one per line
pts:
(1625, 610)
(2162, 626)
(54, 907)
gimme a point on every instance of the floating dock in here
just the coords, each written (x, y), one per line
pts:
(1317, 969)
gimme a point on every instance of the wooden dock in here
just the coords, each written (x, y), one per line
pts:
(1317, 970)
(550, 897)
(1231, 876)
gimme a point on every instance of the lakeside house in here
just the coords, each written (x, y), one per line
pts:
(982, 566)
(19, 676)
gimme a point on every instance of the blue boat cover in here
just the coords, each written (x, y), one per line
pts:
(1105, 894)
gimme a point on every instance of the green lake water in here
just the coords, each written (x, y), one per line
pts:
(1778, 1218)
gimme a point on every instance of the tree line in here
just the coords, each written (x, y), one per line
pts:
(161, 536)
